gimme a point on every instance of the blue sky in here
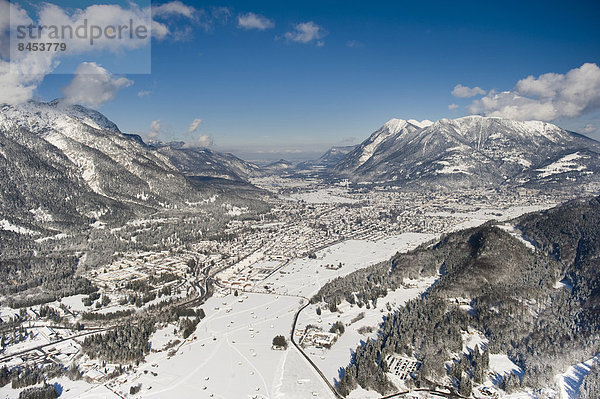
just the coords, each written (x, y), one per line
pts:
(265, 91)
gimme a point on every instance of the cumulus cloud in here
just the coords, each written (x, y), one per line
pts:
(221, 14)
(155, 129)
(21, 73)
(16, 88)
(306, 32)
(168, 16)
(102, 16)
(194, 125)
(21, 76)
(10, 15)
(176, 8)
(254, 21)
(508, 104)
(159, 30)
(589, 128)
(452, 107)
(144, 93)
(548, 97)
(202, 141)
(207, 18)
(461, 91)
(93, 85)
(19, 79)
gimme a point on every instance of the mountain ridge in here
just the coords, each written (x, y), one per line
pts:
(466, 152)
(204, 162)
(75, 166)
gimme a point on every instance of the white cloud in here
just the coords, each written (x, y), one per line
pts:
(174, 8)
(155, 129)
(461, 91)
(354, 44)
(195, 125)
(102, 16)
(452, 107)
(254, 21)
(144, 93)
(306, 32)
(20, 77)
(202, 141)
(221, 14)
(159, 30)
(24, 71)
(93, 85)
(510, 105)
(170, 15)
(589, 128)
(10, 15)
(547, 97)
(15, 89)
(174, 11)
(207, 18)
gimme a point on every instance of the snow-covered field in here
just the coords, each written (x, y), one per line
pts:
(517, 234)
(229, 356)
(230, 353)
(501, 364)
(483, 215)
(66, 388)
(570, 382)
(74, 302)
(565, 164)
(304, 277)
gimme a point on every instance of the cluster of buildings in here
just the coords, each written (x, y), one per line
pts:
(249, 251)
(46, 347)
(141, 265)
(246, 277)
(401, 366)
(315, 337)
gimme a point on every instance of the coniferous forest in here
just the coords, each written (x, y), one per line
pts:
(513, 297)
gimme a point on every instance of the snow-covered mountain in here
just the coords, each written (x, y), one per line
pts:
(281, 166)
(62, 162)
(203, 162)
(472, 151)
(328, 159)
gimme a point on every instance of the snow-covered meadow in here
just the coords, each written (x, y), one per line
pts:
(229, 356)
(304, 277)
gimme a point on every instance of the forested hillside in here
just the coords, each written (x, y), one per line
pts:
(513, 296)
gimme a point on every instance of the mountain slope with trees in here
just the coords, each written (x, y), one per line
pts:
(67, 173)
(514, 300)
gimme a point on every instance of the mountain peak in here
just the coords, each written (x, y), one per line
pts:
(471, 151)
(422, 124)
(39, 116)
(394, 125)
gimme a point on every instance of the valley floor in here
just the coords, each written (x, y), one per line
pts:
(230, 353)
